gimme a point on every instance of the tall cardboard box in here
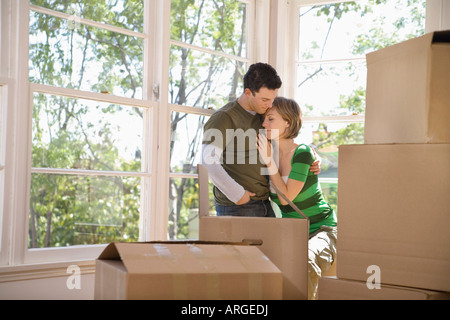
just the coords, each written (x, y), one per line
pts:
(333, 288)
(178, 271)
(394, 213)
(283, 241)
(408, 91)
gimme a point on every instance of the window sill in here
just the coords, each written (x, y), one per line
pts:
(44, 270)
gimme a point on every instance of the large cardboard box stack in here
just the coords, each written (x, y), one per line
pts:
(186, 271)
(394, 190)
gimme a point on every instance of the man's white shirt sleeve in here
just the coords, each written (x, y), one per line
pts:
(220, 178)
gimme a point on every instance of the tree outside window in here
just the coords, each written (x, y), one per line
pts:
(331, 70)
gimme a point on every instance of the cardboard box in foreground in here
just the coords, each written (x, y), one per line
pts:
(394, 213)
(332, 288)
(408, 91)
(176, 271)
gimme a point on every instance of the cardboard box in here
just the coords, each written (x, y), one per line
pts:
(408, 92)
(394, 213)
(284, 241)
(179, 271)
(333, 288)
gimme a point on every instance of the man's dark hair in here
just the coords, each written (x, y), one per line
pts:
(261, 75)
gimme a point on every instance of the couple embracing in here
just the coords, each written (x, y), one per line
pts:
(251, 175)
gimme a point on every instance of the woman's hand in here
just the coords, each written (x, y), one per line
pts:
(265, 149)
(316, 165)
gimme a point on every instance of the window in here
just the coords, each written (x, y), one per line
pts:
(104, 103)
(331, 70)
(209, 54)
(90, 153)
(2, 153)
(107, 118)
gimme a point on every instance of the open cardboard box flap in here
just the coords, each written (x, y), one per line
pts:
(188, 256)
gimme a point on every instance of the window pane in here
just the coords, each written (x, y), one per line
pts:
(83, 57)
(203, 80)
(186, 139)
(217, 25)
(329, 190)
(183, 208)
(325, 138)
(350, 29)
(126, 14)
(80, 134)
(69, 210)
(332, 88)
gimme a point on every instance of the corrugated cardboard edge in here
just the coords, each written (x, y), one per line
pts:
(335, 288)
(438, 94)
(111, 252)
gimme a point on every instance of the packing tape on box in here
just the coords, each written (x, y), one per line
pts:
(255, 280)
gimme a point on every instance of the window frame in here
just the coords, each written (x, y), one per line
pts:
(153, 225)
(14, 250)
(434, 12)
(273, 42)
(257, 12)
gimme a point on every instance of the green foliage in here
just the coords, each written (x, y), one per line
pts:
(72, 134)
(68, 209)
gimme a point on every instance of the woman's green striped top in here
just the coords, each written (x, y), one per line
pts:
(310, 199)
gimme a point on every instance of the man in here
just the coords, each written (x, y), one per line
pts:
(229, 147)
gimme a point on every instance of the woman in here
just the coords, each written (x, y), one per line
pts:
(291, 175)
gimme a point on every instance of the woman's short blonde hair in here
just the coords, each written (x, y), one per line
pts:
(290, 111)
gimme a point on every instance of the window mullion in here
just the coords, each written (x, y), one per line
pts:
(19, 142)
(88, 95)
(209, 51)
(158, 13)
(87, 22)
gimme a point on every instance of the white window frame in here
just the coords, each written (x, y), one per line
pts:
(285, 36)
(4, 86)
(14, 251)
(284, 42)
(280, 34)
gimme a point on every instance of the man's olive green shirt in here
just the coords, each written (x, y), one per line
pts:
(234, 130)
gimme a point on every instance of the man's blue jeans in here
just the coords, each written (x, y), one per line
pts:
(253, 208)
